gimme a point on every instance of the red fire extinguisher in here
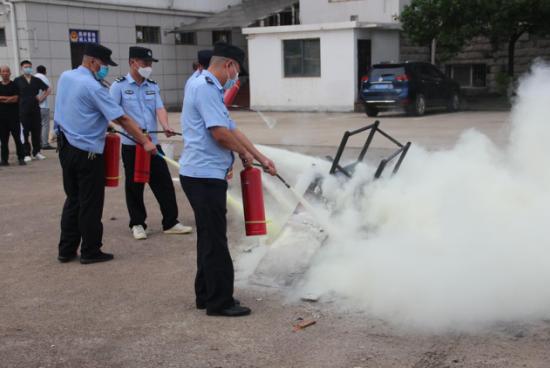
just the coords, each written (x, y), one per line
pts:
(111, 156)
(142, 167)
(253, 202)
(231, 93)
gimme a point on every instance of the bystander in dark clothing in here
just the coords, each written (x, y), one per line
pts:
(9, 118)
(29, 112)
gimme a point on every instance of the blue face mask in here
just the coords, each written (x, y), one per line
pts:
(27, 70)
(230, 82)
(102, 73)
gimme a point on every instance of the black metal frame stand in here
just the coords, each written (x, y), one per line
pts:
(373, 128)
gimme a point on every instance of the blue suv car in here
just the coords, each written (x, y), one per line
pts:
(412, 86)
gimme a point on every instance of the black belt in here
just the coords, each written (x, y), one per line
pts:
(62, 141)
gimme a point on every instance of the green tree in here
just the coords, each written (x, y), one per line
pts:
(452, 23)
(455, 22)
(505, 21)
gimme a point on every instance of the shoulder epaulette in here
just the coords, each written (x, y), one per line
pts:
(208, 80)
(151, 81)
(120, 79)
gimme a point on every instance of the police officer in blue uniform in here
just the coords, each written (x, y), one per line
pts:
(210, 138)
(203, 57)
(83, 108)
(140, 98)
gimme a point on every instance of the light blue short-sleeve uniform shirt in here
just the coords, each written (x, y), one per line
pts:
(203, 108)
(83, 109)
(140, 102)
(195, 74)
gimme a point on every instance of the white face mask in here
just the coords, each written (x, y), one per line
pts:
(145, 72)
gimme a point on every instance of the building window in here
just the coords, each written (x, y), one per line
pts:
(186, 38)
(302, 58)
(286, 17)
(272, 20)
(146, 34)
(479, 75)
(221, 36)
(2, 37)
(468, 75)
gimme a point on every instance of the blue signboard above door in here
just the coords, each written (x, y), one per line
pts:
(83, 36)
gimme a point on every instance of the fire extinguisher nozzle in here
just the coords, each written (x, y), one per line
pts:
(283, 181)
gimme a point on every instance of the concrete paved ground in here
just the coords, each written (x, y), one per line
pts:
(138, 311)
(435, 130)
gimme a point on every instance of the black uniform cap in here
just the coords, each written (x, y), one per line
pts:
(143, 53)
(100, 52)
(232, 52)
(204, 56)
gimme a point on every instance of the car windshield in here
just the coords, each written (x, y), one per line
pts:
(385, 74)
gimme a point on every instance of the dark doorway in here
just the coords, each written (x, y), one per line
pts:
(79, 38)
(363, 59)
(77, 52)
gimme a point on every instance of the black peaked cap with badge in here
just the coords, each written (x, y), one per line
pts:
(143, 53)
(232, 52)
(100, 52)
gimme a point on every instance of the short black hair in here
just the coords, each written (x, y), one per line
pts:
(25, 62)
(41, 69)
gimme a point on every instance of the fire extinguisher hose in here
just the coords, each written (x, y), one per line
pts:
(163, 131)
(277, 175)
(230, 200)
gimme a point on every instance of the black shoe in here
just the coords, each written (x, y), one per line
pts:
(203, 306)
(4, 163)
(98, 257)
(234, 311)
(22, 162)
(65, 259)
(48, 147)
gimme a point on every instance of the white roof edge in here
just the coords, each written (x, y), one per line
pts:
(320, 27)
(387, 26)
(301, 28)
(105, 6)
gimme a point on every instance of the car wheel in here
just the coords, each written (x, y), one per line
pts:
(419, 106)
(371, 111)
(454, 102)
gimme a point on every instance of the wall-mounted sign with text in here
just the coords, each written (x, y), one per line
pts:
(83, 36)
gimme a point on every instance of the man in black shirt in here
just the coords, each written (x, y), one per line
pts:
(30, 98)
(9, 117)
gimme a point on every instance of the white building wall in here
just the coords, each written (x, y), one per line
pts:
(43, 35)
(189, 5)
(6, 57)
(329, 11)
(384, 44)
(332, 91)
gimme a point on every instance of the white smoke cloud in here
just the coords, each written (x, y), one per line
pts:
(458, 239)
